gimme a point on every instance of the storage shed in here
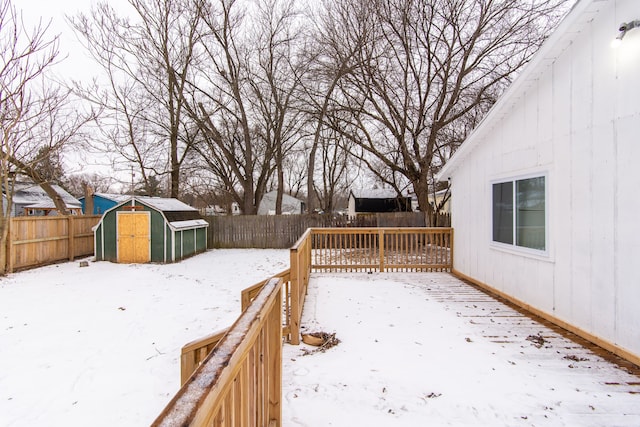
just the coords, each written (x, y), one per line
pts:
(149, 229)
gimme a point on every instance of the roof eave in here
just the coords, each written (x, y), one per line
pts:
(552, 48)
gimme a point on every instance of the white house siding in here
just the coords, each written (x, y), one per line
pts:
(574, 116)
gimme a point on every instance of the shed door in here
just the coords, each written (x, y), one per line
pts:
(134, 237)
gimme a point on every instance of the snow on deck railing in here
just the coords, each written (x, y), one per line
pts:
(195, 352)
(240, 381)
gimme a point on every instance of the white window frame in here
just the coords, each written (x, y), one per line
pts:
(513, 247)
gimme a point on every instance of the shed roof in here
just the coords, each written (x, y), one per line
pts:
(173, 209)
(272, 195)
(194, 223)
(164, 204)
(570, 28)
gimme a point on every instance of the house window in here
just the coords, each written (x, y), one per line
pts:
(519, 213)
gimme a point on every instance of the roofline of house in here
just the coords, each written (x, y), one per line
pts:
(567, 31)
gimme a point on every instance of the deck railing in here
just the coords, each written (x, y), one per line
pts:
(364, 249)
(234, 377)
(195, 352)
(240, 382)
(250, 293)
(300, 261)
(382, 249)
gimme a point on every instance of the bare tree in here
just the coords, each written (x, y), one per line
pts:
(147, 63)
(243, 99)
(426, 67)
(275, 82)
(295, 166)
(221, 108)
(334, 165)
(35, 118)
(339, 36)
(77, 184)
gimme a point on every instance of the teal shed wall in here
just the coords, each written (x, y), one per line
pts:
(163, 243)
(190, 242)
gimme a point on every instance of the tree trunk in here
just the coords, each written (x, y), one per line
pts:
(311, 166)
(280, 189)
(45, 185)
(248, 205)
(175, 168)
(4, 234)
(421, 189)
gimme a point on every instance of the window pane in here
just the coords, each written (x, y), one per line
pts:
(530, 213)
(503, 212)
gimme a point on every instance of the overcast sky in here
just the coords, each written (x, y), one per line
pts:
(76, 63)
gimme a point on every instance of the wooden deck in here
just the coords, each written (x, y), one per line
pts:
(465, 358)
(415, 346)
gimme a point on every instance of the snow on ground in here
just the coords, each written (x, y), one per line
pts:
(100, 345)
(426, 349)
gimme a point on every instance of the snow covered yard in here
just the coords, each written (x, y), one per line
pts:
(428, 349)
(100, 345)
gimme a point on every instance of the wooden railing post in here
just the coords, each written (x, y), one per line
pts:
(450, 249)
(294, 259)
(381, 243)
(193, 353)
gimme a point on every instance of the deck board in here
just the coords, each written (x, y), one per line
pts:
(477, 354)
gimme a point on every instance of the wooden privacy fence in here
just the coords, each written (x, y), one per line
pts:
(36, 241)
(240, 381)
(282, 231)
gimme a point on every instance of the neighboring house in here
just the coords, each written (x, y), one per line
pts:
(446, 208)
(213, 210)
(377, 200)
(102, 202)
(545, 209)
(290, 205)
(217, 210)
(31, 200)
(235, 208)
(149, 229)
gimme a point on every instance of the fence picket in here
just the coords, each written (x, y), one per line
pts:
(282, 231)
(35, 241)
